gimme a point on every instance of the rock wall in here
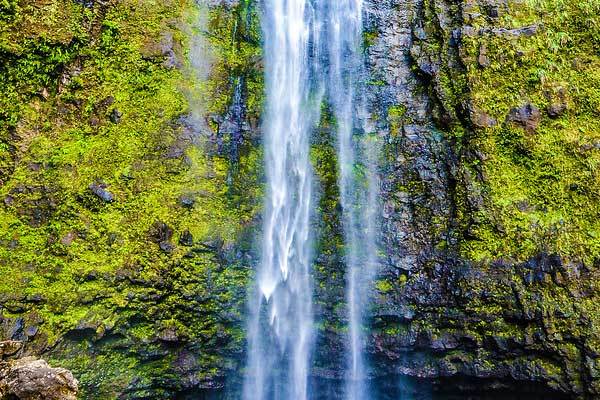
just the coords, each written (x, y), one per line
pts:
(128, 172)
(490, 278)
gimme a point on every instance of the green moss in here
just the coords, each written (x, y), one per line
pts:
(541, 185)
(397, 118)
(234, 35)
(330, 244)
(370, 38)
(384, 286)
(93, 267)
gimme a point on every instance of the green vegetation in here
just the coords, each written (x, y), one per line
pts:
(538, 178)
(102, 100)
(542, 184)
(102, 96)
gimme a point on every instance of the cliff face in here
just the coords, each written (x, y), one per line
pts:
(499, 271)
(130, 170)
(491, 273)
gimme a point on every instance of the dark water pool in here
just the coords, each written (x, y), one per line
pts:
(413, 389)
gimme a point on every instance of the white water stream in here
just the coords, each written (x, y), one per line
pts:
(281, 327)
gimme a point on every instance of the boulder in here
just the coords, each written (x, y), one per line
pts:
(33, 379)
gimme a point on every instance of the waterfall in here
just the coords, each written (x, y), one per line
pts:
(280, 332)
(358, 183)
(281, 324)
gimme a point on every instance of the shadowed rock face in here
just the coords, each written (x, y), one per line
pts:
(461, 325)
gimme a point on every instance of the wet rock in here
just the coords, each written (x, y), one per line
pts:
(188, 133)
(543, 268)
(37, 203)
(85, 3)
(527, 116)
(31, 331)
(115, 116)
(105, 103)
(167, 247)
(16, 330)
(187, 200)
(558, 103)
(34, 166)
(526, 31)
(9, 201)
(33, 379)
(164, 49)
(524, 206)
(426, 64)
(481, 119)
(68, 239)
(483, 59)
(186, 239)
(556, 110)
(169, 335)
(69, 72)
(100, 190)
(493, 12)
(445, 342)
(171, 60)
(161, 232)
(226, 3)
(9, 348)
(16, 308)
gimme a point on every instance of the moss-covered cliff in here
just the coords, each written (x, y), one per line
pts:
(126, 177)
(504, 287)
(130, 179)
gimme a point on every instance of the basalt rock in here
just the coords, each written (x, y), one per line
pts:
(100, 189)
(115, 116)
(558, 102)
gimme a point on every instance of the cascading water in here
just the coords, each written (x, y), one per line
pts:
(281, 326)
(357, 176)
